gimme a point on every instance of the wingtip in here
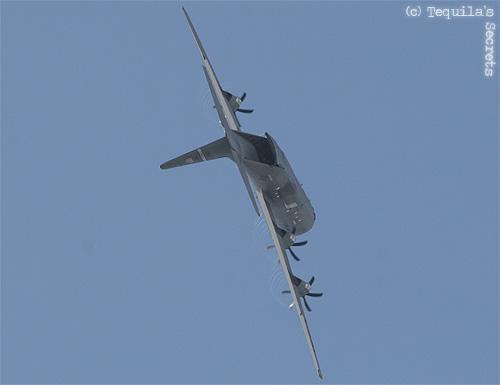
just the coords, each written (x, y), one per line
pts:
(320, 374)
(186, 15)
(193, 31)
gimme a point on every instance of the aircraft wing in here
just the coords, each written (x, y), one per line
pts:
(283, 259)
(225, 111)
(227, 116)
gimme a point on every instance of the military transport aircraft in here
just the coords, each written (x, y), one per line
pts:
(265, 169)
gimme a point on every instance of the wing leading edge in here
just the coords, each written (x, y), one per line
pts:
(226, 114)
(283, 259)
(225, 111)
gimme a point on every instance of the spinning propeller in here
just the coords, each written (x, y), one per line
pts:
(240, 100)
(296, 244)
(235, 101)
(303, 291)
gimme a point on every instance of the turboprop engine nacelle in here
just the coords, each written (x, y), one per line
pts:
(235, 101)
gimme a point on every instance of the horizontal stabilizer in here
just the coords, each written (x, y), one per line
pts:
(218, 149)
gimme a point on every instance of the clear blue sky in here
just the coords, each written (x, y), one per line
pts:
(116, 272)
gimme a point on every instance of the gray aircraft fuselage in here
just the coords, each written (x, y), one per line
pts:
(260, 159)
(270, 171)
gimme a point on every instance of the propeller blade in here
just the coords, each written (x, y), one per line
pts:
(307, 305)
(242, 97)
(285, 292)
(314, 294)
(300, 243)
(294, 255)
(311, 280)
(244, 111)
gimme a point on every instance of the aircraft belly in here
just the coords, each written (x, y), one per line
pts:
(297, 218)
(290, 208)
